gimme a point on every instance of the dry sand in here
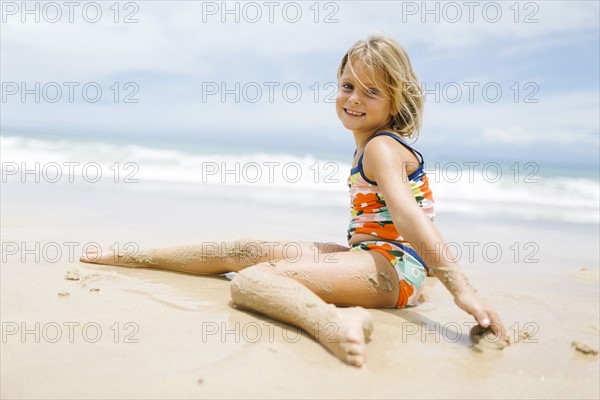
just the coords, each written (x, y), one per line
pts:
(73, 330)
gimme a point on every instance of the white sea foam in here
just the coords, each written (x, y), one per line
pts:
(301, 181)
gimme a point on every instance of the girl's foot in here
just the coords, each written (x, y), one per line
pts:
(95, 255)
(346, 336)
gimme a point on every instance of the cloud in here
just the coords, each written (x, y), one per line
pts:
(520, 135)
(569, 117)
(171, 37)
(175, 47)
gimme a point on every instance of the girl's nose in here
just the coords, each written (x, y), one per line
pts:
(354, 99)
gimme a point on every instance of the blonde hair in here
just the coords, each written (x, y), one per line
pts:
(381, 55)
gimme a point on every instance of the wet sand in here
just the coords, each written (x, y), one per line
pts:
(74, 330)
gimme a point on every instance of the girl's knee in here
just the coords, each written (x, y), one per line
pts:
(249, 280)
(251, 273)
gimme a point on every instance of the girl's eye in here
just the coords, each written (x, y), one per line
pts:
(372, 92)
(347, 86)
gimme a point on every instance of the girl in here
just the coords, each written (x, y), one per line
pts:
(393, 242)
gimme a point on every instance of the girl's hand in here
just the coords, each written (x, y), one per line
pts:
(471, 303)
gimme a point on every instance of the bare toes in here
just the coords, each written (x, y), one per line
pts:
(364, 316)
(348, 345)
(354, 348)
(90, 255)
(95, 255)
(356, 360)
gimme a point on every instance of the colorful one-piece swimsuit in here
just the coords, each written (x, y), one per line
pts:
(370, 215)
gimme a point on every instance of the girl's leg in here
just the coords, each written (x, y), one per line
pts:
(211, 257)
(293, 283)
(298, 293)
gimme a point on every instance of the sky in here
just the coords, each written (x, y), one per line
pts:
(507, 80)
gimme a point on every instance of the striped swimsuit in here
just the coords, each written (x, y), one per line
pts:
(370, 215)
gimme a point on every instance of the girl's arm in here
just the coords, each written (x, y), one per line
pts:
(382, 163)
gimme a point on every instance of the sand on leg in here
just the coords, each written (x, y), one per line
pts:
(305, 294)
(210, 258)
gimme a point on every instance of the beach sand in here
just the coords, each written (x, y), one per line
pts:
(142, 333)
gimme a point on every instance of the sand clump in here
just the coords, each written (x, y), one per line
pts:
(484, 340)
(76, 276)
(382, 283)
(584, 348)
(588, 275)
(73, 275)
(140, 259)
(521, 336)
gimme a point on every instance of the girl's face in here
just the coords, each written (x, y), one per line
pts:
(362, 111)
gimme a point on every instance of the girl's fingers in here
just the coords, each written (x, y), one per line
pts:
(483, 320)
(484, 316)
(494, 323)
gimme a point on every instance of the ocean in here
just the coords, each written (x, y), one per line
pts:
(520, 191)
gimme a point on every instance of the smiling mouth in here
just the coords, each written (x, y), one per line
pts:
(353, 113)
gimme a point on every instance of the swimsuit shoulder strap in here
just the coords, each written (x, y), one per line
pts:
(359, 167)
(403, 143)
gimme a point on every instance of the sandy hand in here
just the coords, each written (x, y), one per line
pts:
(470, 302)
